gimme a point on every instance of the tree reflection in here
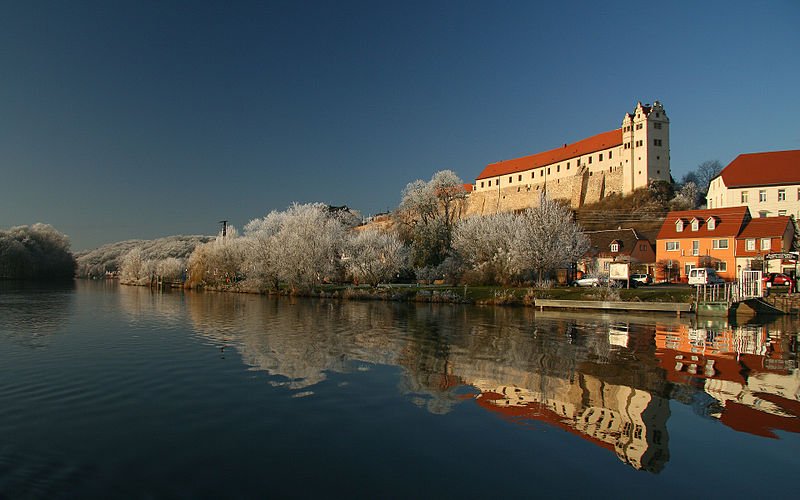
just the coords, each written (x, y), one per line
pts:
(31, 313)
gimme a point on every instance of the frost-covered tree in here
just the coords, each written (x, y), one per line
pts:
(308, 245)
(106, 259)
(549, 238)
(427, 214)
(134, 269)
(218, 262)
(487, 246)
(374, 256)
(687, 198)
(262, 252)
(170, 269)
(37, 252)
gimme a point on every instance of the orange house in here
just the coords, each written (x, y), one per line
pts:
(727, 239)
(700, 238)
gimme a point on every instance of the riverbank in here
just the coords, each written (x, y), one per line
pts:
(481, 295)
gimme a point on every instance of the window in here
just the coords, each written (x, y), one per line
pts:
(558, 168)
(481, 183)
(673, 246)
(798, 194)
(762, 195)
(490, 183)
(750, 244)
(568, 169)
(509, 179)
(781, 195)
(695, 224)
(763, 213)
(533, 174)
(638, 126)
(541, 172)
(695, 247)
(548, 170)
(590, 160)
(656, 142)
(766, 244)
(744, 196)
(520, 178)
(610, 155)
(657, 125)
(679, 225)
(711, 223)
(782, 213)
(600, 158)
(722, 266)
(720, 244)
(615, 247)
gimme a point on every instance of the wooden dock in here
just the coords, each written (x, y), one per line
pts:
(668, 307)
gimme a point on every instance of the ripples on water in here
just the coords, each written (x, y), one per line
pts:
(117, 390)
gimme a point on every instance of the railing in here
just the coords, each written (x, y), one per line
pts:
(748, 286)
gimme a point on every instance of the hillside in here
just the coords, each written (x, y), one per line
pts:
(642, 210)
(95, 263)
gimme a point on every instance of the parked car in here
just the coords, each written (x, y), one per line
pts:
(778, 279)
(704, 276)
(590, 281)
(642, 279)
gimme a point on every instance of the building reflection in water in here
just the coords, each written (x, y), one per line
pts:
(749, 371)
(608, 381)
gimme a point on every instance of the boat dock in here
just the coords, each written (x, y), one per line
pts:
(677, 308)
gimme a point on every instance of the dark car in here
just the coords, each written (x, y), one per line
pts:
(778, 279)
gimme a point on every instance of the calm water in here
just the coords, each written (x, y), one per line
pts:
(109, 391)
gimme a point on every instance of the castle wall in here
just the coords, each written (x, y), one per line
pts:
(581, 188)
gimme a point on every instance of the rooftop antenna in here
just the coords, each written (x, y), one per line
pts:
(224, 228)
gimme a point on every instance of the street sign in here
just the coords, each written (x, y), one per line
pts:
(781, 255)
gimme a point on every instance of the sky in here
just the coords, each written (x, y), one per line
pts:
(141, 119)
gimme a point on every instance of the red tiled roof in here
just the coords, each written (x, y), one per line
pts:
(597, 142)
(468, 188)
(729, 223)
(763, 169)
(765, 227)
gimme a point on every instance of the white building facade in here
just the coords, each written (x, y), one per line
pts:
(766, 183)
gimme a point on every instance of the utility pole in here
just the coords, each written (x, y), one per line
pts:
(224, 228)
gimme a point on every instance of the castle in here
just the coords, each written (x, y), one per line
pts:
(617, 161)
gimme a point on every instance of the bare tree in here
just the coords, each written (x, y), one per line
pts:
(705, 173)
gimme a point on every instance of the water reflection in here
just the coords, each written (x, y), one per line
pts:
(31, 313)
(607, 379)
(749, 371)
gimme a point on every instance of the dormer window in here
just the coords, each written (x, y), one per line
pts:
(711, 223)
(615, 246)
(679, 225)
(695, 224)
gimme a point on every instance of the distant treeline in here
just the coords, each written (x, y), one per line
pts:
(37, 252)
(107, 259)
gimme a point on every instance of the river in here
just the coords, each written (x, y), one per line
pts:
(114, 391)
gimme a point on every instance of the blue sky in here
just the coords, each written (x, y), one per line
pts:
(142, 119)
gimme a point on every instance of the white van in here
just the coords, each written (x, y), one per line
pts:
(704, 276)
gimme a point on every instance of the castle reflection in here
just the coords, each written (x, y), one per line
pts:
(607, 381)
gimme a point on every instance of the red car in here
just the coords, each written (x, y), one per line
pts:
(778, 279)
